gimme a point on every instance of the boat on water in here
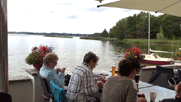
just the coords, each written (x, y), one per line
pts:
(149, 58)
(156, 60)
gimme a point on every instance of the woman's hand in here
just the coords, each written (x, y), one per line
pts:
(141, 99)
(100, 79)
(99, 83)
(58, 69)
(61, 70)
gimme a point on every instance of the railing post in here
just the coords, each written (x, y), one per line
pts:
(3, 47)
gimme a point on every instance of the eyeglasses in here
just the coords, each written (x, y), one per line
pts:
(54, 62)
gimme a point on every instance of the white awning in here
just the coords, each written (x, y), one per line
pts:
(172, 7)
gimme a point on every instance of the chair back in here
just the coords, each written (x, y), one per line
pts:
(45, 86)
(5, 97)
(161, 79)
(166, 70)
(179, 75)
(58, 93)
(67, 78)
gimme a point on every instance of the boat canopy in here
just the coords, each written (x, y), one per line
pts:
(160, 51)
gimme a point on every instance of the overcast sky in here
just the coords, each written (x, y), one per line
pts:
(63, 16)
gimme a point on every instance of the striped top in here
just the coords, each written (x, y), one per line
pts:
(82, 85)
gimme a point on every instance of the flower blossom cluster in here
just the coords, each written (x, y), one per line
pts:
(37, 54)
(132, 52)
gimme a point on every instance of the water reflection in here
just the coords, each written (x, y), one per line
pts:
(72, 50)
(69, 50)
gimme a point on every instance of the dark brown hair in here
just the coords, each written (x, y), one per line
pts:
(89, 56)
(127, 65)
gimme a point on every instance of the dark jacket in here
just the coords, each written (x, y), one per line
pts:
(171, 100)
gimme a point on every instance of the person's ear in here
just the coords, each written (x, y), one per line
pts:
(134, 71)
(91, 61)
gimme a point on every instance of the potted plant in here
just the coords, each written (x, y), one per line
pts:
(35, 58)
(133, 52)
(179, 55)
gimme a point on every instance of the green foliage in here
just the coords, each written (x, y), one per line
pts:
(173, 37)
(160, 36)
(104, 33)
(111, 34)
(119, 30)
(96, 35)
(161, 30)
(171, 26)
(34, 58)
(136, 27)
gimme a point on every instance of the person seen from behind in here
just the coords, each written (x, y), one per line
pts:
(122, 88)
(82, 86)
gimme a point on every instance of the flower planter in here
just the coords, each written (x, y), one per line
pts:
(37, 66)
(37, 55)
(179, 58)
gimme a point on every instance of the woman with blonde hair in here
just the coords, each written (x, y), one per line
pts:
(48, 71)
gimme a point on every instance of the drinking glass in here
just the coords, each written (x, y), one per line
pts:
(113, 70)
(137, 78)
(152, 96)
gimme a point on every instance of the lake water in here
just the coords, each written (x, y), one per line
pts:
(69, 50)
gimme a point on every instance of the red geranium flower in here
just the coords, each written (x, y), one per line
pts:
(37, 54)
(43, 48)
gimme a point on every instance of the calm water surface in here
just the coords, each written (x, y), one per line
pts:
(70, 51)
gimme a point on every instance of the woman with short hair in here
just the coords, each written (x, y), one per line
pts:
(82, 86)
(47, 70)
(122, 88)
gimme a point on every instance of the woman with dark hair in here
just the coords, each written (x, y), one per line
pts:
(122, 88)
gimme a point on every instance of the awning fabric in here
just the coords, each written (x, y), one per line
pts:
(172, 7)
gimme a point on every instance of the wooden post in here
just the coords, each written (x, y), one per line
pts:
(3, 47)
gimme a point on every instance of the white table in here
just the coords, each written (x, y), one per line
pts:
(162, 93)
(146, 88)
(144, 85)
(103, 71)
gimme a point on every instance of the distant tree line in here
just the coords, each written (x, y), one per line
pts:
(136, 26)
(52, 34)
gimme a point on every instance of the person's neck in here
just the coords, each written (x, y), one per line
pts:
(121, 76)
(48, 66)
(88, 65)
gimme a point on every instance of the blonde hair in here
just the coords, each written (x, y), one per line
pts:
(49, 57)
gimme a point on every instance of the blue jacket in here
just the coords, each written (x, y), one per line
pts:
(51, 74)
(59, 93)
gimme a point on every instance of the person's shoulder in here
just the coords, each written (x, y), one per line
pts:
(52, 72)
(110, 78)
(82, 68)
(133, 83)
